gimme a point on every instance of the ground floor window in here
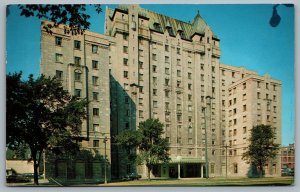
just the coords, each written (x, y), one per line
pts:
(235, 168)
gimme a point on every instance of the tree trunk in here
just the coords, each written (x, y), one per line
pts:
(260, 171)
(35, 167)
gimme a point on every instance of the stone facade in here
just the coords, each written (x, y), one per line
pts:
(160, 67)
(288, 156)
(81, 63)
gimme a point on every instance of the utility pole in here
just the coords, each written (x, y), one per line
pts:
(105, 177)
(206, 155)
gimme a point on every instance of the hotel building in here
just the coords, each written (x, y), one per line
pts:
(148, 65)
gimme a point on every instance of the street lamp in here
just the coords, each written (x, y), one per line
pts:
(105, 177)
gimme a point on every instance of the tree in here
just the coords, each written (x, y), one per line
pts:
(41, 115)
(153, 149)
(73, 16)
(261, 148)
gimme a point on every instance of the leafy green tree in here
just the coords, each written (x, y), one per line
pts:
(73, 16)
(262, 147)
(41, 115)
(152, 148)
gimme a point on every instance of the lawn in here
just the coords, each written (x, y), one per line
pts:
(208, 182)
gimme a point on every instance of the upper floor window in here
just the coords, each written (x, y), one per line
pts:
(77, 60)
(58, 41)
(77, 76)
(76, 44)
(94, 48)
(95, 64)
(58, 57)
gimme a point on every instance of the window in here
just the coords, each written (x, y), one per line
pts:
(77, 60)
(76, 44)
(234, 100)
(95, 80)
(167, 94)
(189, 64)
(141, 77)
(167, 59)
(77, 92)
(244, 96)
(274, 87)
(58, 57)
(223, 72)
(155, 92)
(274, 98)
(141, 114)
(96, 111)
(58, 41)
(258, 95)
(167, 81)
(95, 143)
(125, 86)
(202, 67)
(95, 64)
(178, 73)
(244, 86)
(141, 52)
(189, 75)
(244, 118)
(125, 49)
(126, 125)
(59, 75)
(244, 130)
(125, 61)
(154, 68)
(267, 85)
(126, 99)
(140, 64)
(258, 106)
(178, 61)
(190, 86)
(190, 141)
(154, 79)
(235, 168)
(167, 48)
(274, 109)
(189, 97)
(213, 69)
(244, 107)
(178, 50)
(125, 36)
(167, 71)
(258, 84)
(154, 104)
(95, 96)
(94, 48)
(141, 101)
(234, 111)
(233, 74)
(96, 128)
(77, 76)
(189, 108)
(154, 57)
(178, 83)
(125, 74)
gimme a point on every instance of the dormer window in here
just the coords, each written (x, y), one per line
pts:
(157, 26)
(170, 31)
(181, 33)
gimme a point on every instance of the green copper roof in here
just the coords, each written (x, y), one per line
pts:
(160, 23)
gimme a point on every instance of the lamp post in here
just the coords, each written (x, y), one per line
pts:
(105, 177)
(226, 146)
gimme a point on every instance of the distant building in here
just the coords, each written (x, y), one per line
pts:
(288, 156)
(148, 65)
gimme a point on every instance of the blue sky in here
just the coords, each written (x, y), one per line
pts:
(247, 40)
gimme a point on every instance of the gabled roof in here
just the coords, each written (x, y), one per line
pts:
(188, 29)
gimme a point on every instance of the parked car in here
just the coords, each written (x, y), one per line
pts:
(13, 177)
(131, 176)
